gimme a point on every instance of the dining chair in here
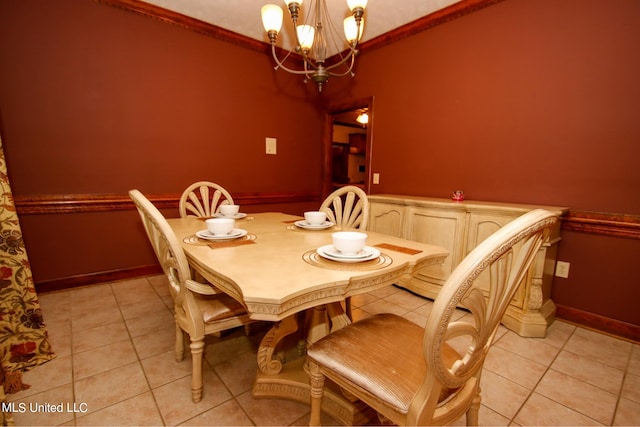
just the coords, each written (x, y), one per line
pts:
(199, 309)
(431, 376)
(202, 199)
(347, 207)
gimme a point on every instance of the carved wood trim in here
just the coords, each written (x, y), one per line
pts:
(608, 224)
(454, 11)
(73, 203)
(436, 18)
(192, 24)
(598, 322)
(100, 277)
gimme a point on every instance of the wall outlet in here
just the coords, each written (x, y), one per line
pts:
(376, 178)
(562, 269)
(270, 145)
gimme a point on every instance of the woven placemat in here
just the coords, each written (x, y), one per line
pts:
(312, 257)
(397, 248)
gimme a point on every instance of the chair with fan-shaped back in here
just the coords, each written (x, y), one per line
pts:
(198, 309)
(202, 199)
(347, 207)
(431, 376)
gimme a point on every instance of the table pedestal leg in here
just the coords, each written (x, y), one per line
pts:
(291, 381)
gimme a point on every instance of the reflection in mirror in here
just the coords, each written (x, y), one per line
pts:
(349, 148)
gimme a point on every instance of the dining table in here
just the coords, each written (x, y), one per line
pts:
(283, 271)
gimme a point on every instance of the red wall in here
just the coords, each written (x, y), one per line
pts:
(98, 100)
(532, 101)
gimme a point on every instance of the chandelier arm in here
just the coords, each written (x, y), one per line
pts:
(351, 56)
(280, 64)
(349, 71)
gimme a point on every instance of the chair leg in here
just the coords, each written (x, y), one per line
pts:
(197, 348)
(179, 344)
(317, 390)
(472, 413)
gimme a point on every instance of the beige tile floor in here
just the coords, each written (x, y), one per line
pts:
(115, 366)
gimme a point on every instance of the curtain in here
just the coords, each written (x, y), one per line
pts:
(23, 338)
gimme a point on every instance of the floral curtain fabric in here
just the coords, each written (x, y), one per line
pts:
(23, 337)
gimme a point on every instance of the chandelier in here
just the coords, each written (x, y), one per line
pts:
(312, 36)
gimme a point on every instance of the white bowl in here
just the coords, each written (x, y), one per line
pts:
(229, 210)
(349, 242)
(220, 226)
(315, 217)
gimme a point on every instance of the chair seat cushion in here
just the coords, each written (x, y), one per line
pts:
(381, 354)
(218, 307)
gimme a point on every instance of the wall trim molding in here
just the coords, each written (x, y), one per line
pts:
(456, 10)
(598, 322)
(438, 17)
(189, 23)
(607, 224)
(75, 203)
(95, 278)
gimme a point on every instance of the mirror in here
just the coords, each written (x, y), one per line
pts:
(348, 147)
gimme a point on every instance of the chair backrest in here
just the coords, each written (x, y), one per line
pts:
(347, 207)
(506, 256)
(202, 199)
(165, 245)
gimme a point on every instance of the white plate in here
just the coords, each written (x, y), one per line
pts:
(304, 224)
(235, 233)
(236, 216)
(366, 254)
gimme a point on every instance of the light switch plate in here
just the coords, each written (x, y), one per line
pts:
(562, 269)
(271, 144)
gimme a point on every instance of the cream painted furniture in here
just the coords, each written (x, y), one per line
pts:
(202, 199)
(276, 274)
(348, 207)
(460, 227)
(199, 309)
(431, 376)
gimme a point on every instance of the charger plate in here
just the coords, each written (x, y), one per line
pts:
(312, 257)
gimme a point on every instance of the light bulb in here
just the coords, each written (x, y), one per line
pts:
(271, 17)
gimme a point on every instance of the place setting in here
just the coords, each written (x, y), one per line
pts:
(313, 220)
(348, 250)
(221, 230)
(230, 211)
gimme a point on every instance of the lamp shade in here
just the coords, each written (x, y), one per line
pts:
(271, 17)
(305, 36)
(351, 29)
(287, 2)
(356, 3)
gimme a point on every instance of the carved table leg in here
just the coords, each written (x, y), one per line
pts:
(266, 363)
(290, 380)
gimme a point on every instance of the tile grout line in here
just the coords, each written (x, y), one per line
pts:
(622, 383)
(138, 359)
(146, 377)
(546, 370)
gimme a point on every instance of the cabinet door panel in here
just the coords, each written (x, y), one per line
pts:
(441, 228)
(482, 226)
(386, 218)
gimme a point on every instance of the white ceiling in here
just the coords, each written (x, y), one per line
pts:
(243, 16)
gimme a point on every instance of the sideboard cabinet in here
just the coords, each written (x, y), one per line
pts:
(459, 227)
